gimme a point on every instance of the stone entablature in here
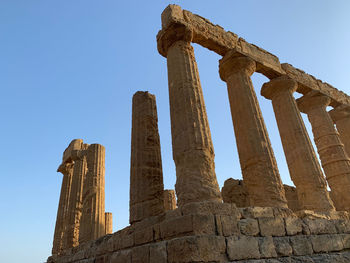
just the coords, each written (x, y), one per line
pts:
(215, 38)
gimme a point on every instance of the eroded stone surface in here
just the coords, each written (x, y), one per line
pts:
(81, 215)
(303, 165)
(334, 159)
(193, 150)
(258, 164)
(169, 200)
(146, 174)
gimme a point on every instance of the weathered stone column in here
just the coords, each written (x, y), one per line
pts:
(75, 200)
(193, 150)
(169, 200)
(61, 220)
(258, 164)
(108, 223)
(146, 174)
(341, 117)
(93, 217)
(303, 165)
(334, 160)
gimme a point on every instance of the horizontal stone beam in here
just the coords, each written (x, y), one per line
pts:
(216, 39)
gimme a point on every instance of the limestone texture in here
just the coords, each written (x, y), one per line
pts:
(108, 223)
(334, 160)
(292, 198)
(62, 215)
(193, 150)
(258, 164)
(234, 191)
(75, 199)
(169, 200)
(80, 215)
(146, 174)
(266, 235)
(93, 216)
(253, 224)
(303, 165)
(341, 117)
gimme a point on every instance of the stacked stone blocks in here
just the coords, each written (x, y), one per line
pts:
(203, 228)
(219, 232)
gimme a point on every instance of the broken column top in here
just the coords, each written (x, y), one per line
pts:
(71, 152)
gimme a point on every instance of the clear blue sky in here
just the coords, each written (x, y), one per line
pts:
(68, 69)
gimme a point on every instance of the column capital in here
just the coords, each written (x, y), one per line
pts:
(173, 33)
(64, 168)
(234, 62)
(312, 100)
(340, 112)
(278, 85)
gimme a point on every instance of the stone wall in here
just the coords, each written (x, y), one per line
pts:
(233, 191)
(221, 232)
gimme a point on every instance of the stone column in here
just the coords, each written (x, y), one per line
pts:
(334, 160)
(259, 168)
(108, 223)
(75, 201)
(146, 174)
(61, 220)
(193, 150)
(341, 117)
(303, 165)
(93, 218)
(169, 200)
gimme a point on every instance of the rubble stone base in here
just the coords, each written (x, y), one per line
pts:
(221, 232)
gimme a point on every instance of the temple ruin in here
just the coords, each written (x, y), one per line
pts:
(257, 219)
(81, 213)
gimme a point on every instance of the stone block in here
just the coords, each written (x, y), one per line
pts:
(196, 249)
(342, 226)
(301, 245)
(79, 255)
(283, 247)
(257, 212)
(123, 256)
(143, 236)
(205, 224)
(103, 247)
(346, 240)
(293, 225)
(271, 226)
(140, 254)
(226, 225)
(101, 259)
(320, 226)
(158, 253)
(327, 243)
(211, 207)
(199, 224)
(282, 212)
(176, 227)
(172, 213)
(267, 247)
(242, 247)
(234, 191)
(126, 241)
(249, 227)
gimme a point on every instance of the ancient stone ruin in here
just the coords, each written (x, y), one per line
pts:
(257, 219)
(81, 213)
